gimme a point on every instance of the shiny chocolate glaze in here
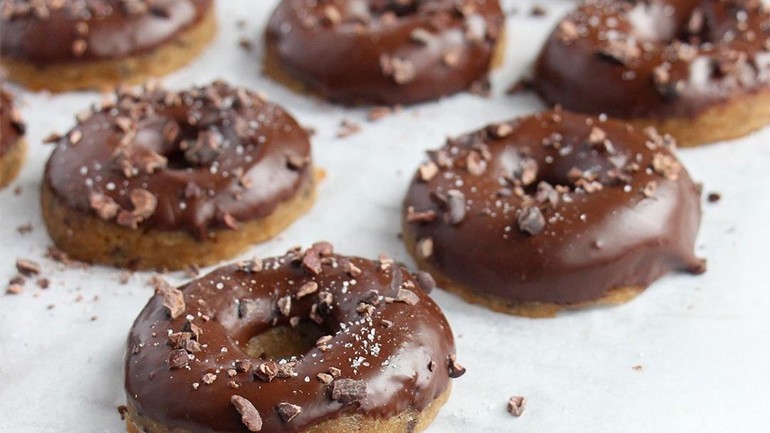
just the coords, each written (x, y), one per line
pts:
(399, 350)
(50, 31)
(554, 207)
(212, 156)
(656, 59)
(385, 51)
(11, 126)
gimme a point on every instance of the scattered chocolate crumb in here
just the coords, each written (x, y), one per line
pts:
(43, 283)
(288, 411)
(714, 197)
(24, 228)
(209, 378)
(245, 43)
(516, 405)
(637, 368)
(347, 128)
(28, 267)
(378, 113)
(538, 11)
(122, 411)
(348, 391)
(249, 414)
(455, 369)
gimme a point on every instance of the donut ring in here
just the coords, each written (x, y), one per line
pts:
(346, 345)
(698, 70)
(552, 211)
(13, 148)
(97, 44)
(204, 173)
(384, 51)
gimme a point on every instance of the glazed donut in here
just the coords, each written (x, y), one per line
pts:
(62, 45)
(12, 144)
(384, 51)
(162, 179)
(552, 211)
(696, 69)
(308, 342)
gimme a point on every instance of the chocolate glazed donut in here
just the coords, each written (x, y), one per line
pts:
(698, 69)
(308, 342)
(552, 211)
(384, 51)
(73, 44)
(204, 173)
(12, 144)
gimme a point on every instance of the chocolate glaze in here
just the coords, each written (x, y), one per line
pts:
(11, 126)
(655, 59)
(251, 156)
(638, 221)
(92, 29)
(385, 51)
(394, 362)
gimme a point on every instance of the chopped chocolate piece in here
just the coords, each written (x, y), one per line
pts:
(178, 358)
(407, 296)
(456, 206)
(666, 166)
(306, 289)
(348, 391)
(286, 370)
(425, 248)
(288, 411)
(455, 369)
(325, 378)
(284, 305)
(597, 136)
(531, 220)
(475, 164)
(622, 51)
(422, 217)
(173, 299)
(104, 206)
(250, 266)
(28, 267)
(568, 32)
(266, 371)
(378, 113)
(714, 197)
(209, 378)
(516, 405)
(249, 414)
(427, 171)
(242, 365)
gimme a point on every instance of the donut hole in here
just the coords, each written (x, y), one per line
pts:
(285, 342)
(665, 24)
(183, 145)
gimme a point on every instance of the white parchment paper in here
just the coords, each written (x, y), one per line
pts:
(702, 342)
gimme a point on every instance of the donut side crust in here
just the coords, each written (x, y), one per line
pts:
(733, 119)
(11, 162)
(89, 238)
(105, 74)
(410, 421)
(614, 296)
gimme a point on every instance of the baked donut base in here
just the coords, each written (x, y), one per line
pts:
(410, 421)
(733, 119)
(272, 68)
(88, 238)
(531, 309)
(105, 74)
(11, 162)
